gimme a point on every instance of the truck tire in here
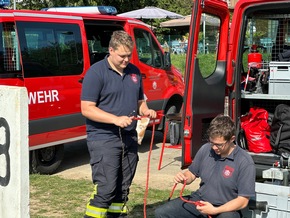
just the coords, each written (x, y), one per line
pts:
(46, 160)
(171, 110)
(174, 133)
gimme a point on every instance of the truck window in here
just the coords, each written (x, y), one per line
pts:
(208, 40)
(9, 54)
(266, 44)
(261, 37)
(269, 37)
(148, 51)
(50, 49)
(98, 36)
(265, 61)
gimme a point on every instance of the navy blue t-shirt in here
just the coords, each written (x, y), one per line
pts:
(113, 93)
(224, 179)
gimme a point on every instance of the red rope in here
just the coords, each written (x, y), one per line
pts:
(196, 203)
(139, 117)
(172, 191)
(148, 167)
(148, 164)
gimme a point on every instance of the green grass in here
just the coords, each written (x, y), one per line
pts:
(207, 63)
(52, 196)
(179, 62)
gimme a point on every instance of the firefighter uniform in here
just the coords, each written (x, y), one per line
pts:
(113, 150)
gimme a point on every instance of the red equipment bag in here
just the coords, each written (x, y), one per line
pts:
(257, 130)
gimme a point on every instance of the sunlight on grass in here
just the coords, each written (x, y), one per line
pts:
(207, 63)
(52, 196)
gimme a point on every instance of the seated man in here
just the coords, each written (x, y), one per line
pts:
(227, 175)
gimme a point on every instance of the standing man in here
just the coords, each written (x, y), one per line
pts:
(112, 95)
(227, 175)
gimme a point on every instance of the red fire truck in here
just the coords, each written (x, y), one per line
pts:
(49, 51)
(238, 61)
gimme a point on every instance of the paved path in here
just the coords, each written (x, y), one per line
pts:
(76, 163)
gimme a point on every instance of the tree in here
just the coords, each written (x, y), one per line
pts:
(182, 7)
(178, 6)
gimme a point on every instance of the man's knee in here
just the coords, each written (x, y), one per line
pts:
(234, 214)
(159, 212)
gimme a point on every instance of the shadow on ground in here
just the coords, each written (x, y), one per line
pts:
(76, 153)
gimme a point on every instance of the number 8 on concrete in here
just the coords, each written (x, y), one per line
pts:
(4, 150)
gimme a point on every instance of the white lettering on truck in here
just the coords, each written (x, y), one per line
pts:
(40, 97)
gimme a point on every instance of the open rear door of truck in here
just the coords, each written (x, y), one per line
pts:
(205, 76)
(215, 63)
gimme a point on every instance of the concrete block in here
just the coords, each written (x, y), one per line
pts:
(14, 153)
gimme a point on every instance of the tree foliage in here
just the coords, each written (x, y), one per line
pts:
(182, 7)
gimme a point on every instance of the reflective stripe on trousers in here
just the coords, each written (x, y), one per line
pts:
(96, 212)
(118, 208)
(93, 211)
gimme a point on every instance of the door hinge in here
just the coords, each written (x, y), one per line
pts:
(202, 4)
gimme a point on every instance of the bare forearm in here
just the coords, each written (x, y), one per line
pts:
(90, 111)
(145, 111)
(142, 107)
(233, 205)
(95, 114)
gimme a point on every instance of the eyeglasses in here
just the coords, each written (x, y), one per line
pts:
(218, 145)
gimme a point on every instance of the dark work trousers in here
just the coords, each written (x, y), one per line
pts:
(113, 162)
(177, 208)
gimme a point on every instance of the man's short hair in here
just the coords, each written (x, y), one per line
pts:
(222, 126)
(121, 38)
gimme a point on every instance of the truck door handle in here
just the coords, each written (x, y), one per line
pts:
(81, 80)
(143, 75)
